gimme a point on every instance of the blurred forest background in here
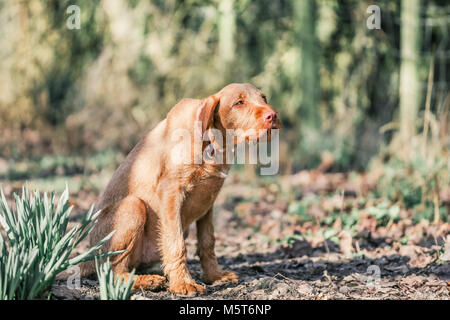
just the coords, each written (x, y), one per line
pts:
(350, 97)
(364, 151)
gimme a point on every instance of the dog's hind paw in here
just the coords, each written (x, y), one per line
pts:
(224, 276)
(229, 276)
(186, 288)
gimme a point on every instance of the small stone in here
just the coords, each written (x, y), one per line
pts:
(63, 292)
(281, 289)
(343, 290)
(258, 292)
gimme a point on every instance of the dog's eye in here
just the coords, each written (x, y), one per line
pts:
(264, 98)
(240, 102)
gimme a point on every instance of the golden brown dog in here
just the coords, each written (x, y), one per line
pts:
(151, 199)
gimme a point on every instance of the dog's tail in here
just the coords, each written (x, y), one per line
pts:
(82, 270)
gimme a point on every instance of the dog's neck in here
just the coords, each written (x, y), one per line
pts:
(218, 170)
(217, 153)
(213, 150)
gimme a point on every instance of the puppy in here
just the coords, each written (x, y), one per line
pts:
(164, 185)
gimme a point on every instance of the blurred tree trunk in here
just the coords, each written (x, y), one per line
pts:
(305, 29)
(410, 89)
(227, 30)
(305, 89)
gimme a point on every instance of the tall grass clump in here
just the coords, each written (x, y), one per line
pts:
(418, 167)
(38, 243)
(113, 288)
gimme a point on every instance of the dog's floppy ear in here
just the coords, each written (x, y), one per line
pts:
(206, 112)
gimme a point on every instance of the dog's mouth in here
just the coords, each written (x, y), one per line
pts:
(261, 135)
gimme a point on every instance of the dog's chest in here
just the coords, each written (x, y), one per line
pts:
(200, 195)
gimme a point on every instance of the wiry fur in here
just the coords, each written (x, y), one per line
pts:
(151, 201)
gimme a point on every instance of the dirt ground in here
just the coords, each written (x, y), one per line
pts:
(279, 256)
(279, 273)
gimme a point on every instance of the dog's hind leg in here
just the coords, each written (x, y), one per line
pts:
(130, 218)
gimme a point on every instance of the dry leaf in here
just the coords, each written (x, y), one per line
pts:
(446, 255)
(345, 242)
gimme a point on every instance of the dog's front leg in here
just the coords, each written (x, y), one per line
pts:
(173, 250)
(205, 250)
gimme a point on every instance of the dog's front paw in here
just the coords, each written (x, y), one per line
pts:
(186, 288)
(223, 276)
(150, 282)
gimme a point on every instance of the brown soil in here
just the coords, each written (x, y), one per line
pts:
(269, 250)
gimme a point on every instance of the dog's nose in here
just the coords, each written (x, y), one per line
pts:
(270, 116)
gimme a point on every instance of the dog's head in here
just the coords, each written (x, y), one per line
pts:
(242, 108)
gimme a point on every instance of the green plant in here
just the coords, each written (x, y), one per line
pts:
(384, 212)
(289, 240)
(113, 288)
(38, 243)
(414, 181)
(301, 208)
(330, 234)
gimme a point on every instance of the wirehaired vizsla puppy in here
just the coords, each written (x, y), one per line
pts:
(161, 188)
